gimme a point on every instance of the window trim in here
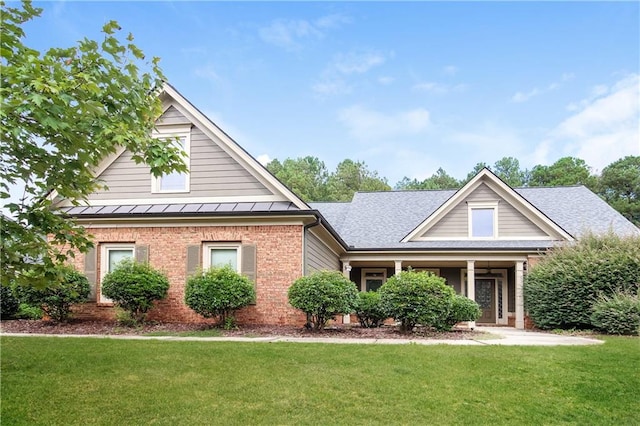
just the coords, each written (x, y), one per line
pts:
(363, 276)
(105, 248)
(206, 253)
(165, 132)
(485, 205)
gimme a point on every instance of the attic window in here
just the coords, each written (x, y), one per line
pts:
(483, 220)
(174, 182)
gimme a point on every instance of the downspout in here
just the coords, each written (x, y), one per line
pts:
(317, 222)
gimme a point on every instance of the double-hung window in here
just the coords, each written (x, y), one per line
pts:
(217, 255)
(112, 254)
(175, 181)
(483, 220)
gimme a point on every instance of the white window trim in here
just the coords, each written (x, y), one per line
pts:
(182, 132)
(485, 205)
(206, 253)
(435, 271)
(105, 248)
(363, 279)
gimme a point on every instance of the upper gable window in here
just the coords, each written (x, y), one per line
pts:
(483, 220)
(174, 182)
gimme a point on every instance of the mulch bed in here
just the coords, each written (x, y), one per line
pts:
(113, 328)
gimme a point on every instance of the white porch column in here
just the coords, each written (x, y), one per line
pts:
(471, 285)
(519, 294)
(398, 266)
(346, 271)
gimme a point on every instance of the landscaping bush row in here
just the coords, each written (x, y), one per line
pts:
(409, 297)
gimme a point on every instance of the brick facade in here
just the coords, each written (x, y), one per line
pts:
(279, 263)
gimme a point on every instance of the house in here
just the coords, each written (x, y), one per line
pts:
(230, 210)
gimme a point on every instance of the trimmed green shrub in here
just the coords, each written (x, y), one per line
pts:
(369, 309)
(9, 303)
(219, 292)
(417, 298)
(323, 295)
(561, 289)
(56, 299)
(29, 312)
(134, 287)
(462, 309)
(617, 314)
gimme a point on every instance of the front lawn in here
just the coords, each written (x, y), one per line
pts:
(107, 381)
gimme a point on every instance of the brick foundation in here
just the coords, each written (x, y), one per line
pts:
(279, 263)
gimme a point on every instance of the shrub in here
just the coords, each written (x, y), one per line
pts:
(369, 309)
(323, 295)
(617, 314)
(417, 298)
(462, 309)
(219, 292)
(561, 289)
(56, 300)
(9, 303)
(134, 287)
(29, 312)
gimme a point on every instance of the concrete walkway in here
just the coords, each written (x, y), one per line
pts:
(498, 336)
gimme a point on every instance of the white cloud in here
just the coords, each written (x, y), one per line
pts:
(332, 87)
(208, 72)
(450, 70)
(438, 88)
(263, 159)
(356, 62)
(367, 124)
(604, 127)
(524, 96)
(289, 33)
(386, 80)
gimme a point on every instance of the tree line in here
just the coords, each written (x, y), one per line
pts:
(618, 183)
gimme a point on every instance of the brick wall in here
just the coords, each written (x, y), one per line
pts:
(279, 263)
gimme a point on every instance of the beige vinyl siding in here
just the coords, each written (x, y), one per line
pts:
(318, 256)
(511, 223)
(172, 116)
(214, 173)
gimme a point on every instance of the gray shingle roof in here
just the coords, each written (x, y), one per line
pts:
(382, 219)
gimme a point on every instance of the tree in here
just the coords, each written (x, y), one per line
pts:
(307, 177)
(439, 180)
(620, 186)
(565, 171)
(476, 169)
(508, 169)
(352, 176)
(62, 113)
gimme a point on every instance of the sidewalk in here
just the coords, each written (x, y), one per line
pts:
(506, 336)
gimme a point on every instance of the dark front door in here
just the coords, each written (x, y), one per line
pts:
(485, 296)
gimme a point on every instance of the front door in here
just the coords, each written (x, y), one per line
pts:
(485, 297)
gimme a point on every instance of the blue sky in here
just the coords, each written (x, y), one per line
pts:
(405, 87)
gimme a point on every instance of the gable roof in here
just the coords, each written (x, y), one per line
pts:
(381, 220)
(176, 106)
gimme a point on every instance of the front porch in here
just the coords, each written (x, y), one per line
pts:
(494, 282)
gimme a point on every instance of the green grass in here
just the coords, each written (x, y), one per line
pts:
(211, 332)
(66, 381)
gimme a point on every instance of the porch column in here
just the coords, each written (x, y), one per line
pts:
(398, 266)
(346, 271)
(519, 295)
(471, 285)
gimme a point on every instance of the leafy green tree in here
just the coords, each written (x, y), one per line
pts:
(352, 176)
(62, 113)
(565, 171)
(476, 169)
(439, 180)
(508, 169)
(307, 176)
(620, 186)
